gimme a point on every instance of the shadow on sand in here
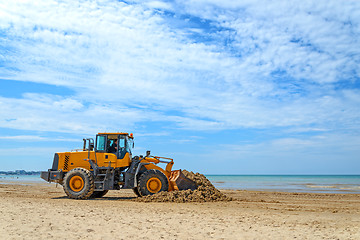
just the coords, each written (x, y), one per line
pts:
(100, 199)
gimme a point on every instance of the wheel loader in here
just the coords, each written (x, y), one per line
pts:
(108, 164)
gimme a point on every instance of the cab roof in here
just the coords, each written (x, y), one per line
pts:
(118, 133)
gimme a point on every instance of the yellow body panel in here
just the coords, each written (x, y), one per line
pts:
(153, 166)
(71, 160)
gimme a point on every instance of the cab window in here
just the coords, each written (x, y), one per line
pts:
(100, 143)
(129, 145)
(121, 143)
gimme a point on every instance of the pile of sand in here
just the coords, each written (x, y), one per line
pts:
(205, 192)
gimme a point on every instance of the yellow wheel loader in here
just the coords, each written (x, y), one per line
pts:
(107, 164)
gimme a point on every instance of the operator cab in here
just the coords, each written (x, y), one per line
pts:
(116, 143)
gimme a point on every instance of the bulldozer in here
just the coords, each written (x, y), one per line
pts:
(107, 164)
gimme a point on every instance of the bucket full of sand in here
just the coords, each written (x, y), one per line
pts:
(205, 192)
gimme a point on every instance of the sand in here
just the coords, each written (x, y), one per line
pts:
(42, 211)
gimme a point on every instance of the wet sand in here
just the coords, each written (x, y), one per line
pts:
(42, 211)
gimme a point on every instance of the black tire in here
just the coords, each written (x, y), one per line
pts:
(152, 181)
(136, 191)
(79, 183)
(99, 194)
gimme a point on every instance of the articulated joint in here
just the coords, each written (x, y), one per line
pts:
(137, 171)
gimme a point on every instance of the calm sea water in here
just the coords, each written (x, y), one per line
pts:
(287, 183)
(20, 178)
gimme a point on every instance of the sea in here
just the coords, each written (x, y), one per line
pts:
(289, 183)
(281, 183)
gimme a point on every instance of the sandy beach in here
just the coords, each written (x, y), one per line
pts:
(42, 211)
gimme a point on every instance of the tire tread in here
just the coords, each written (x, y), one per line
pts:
(88, 184)
(146, 176)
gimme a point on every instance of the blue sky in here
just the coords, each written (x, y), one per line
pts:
(223, 87)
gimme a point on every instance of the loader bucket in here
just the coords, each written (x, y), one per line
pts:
(178, 181)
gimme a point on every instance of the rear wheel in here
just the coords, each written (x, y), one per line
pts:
(152, 181)
(99, 194)
(79, 183)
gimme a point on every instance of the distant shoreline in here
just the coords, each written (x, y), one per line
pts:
(20, 172)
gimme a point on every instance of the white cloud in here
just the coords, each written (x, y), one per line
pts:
(128, 64)
(158, 5)
(306, 147)
(324, 154)
(46, 113)
(31, 152)
(24, 138)
(34, 138)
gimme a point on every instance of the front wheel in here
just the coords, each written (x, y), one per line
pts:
(79, 183)
(152, 181)
(136, 191)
